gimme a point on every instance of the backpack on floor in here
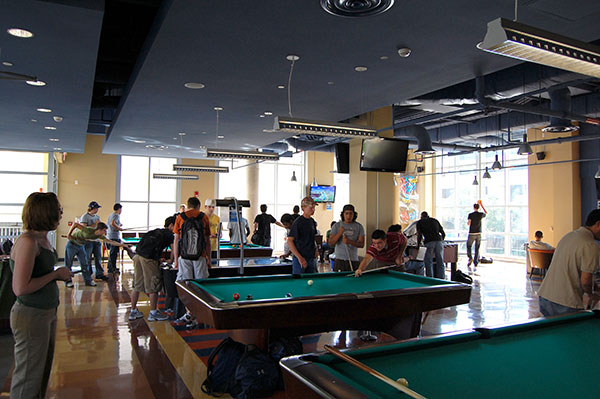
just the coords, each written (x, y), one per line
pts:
(191, 243)
(460, 277)
(221, 368)
(257, 375)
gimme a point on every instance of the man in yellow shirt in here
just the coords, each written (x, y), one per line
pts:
(215, 221)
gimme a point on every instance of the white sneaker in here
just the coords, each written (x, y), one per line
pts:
(186, 318)
(157, 315)
(135, 314)
(69, 284)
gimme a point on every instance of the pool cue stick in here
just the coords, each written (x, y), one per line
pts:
(373, 372)
(348, 254)
(375, 270)
(425, 318)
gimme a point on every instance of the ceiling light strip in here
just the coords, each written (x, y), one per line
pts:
(174, 177)
(198, 168)
(516, 40)
(320, 128)
(232, 154)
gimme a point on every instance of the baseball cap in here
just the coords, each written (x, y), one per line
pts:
(94, 205)
(348, 207)
(210, 202)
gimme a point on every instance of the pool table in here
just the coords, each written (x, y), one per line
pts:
(228, 250)
(252, 267)
(544, 358)
(386, 301)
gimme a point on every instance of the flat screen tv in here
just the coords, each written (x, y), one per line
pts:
(342, 157)
(322, 194)
(384, 155)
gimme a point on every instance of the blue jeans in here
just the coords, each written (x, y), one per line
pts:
(311, 266)
(415, 267)
(95, 248)
(474, 238)
(549, 308)
(435, 248)
(73, 250)
(112, 256)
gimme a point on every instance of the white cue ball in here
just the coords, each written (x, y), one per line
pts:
(309, 282)
(402, 381)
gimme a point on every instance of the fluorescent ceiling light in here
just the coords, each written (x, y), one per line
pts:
(198, 168)
(513, 39)
(174, 177)
(235, 154)
(38, 83)
(321, 128)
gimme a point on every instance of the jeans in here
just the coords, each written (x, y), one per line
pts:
(112, 256)
(311, 266)
(549, 308)
(474, 238)
(415, 267)
(95, 248)
(435, 248)
(73, 250)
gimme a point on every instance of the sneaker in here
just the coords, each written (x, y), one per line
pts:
(135, 314)
(186, 318)
(90, 284)
(157, 315)
(69, 284)
(192, 324)
(103, 278)
(469, 262)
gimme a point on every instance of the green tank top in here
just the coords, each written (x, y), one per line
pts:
(47, 296)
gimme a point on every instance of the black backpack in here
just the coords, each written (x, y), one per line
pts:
(151, 245)
(220, 374)
(191, 242)
(257, 375)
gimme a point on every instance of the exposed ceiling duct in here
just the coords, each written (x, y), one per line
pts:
(423, 139)
(560, 100)
(277, 147)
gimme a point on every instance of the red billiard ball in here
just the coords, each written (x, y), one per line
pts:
(236, 296)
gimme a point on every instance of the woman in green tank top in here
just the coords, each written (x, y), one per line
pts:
(33, 316)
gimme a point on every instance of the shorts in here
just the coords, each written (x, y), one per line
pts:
(147, 276)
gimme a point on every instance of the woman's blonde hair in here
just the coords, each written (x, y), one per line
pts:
(41, 212)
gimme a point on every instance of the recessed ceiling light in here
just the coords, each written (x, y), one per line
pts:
(174, 138)
(268, 113)
(203, 132)
(330, 83)
(292, 57)
(281, 87)
(49, 127)
(54, 140)
(404, 52)
(18, 32)
(38, 83)
(57, 149)
(34, 120)
(261, 115)
(194, 85)
(383, 57)
(44, 110)
(182, 133)
(57, 118)
(7, 63)
(217, 108)
(360, 68)
(220, 137)
(139, 141)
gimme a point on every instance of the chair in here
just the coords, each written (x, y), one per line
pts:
(539, 259)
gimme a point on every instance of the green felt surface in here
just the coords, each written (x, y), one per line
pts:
(552, 361)
(237, 246)
(272, 287)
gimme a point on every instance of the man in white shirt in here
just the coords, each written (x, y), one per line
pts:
(234, 231)
(538, 243)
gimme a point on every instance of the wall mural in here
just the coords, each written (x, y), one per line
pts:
(409, 211)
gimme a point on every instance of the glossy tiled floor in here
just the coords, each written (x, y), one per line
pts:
(99, 354)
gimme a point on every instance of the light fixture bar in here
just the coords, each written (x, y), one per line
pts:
(198, 168)
(235, 154)
(174, 177)
(513, 39)
(321, 128)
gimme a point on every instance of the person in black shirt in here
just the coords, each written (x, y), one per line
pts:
(296, 212)
(301, 239)
(147, 276)
(474, 222)
(262, 227)
(433, 233)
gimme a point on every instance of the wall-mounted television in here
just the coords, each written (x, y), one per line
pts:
(384, 155)
(342, 157)
(322, 194)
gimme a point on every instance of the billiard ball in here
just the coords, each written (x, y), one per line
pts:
(236, 296)
(309, 282)
(249, 297)
(288, 295)
(402, 381)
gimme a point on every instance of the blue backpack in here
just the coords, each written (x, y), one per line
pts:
(221, 367)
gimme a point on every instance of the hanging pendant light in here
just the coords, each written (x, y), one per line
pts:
(314, 182)
(294, 176)
(524, 147)
(475, 182)
(486, 174)
(496, 165)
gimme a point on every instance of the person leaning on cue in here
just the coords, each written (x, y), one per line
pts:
(347, 236)
(386, 249)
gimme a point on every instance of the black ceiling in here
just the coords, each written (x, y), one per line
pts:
(118, 67)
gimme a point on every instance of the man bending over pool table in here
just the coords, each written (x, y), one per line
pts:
(386, 249)
(571, 272)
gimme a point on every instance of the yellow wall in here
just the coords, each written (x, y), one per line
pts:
(320, 165)
(554, 190)
(82, 178)
(205, 185)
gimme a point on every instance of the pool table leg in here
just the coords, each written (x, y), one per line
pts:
(406, 327)
(258, 337)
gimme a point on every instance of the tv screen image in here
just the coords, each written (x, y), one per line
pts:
(323, 193)
(384, 155)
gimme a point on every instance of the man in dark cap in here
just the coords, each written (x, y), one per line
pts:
(347, 236)
(91, 219)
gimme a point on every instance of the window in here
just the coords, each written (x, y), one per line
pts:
(147, 202)
(505, 197)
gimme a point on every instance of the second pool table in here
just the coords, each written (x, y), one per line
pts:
(380, 301)
(228, 250)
